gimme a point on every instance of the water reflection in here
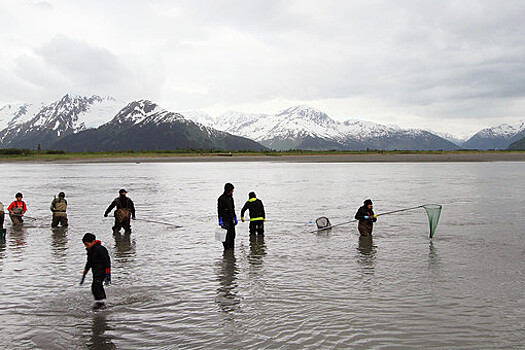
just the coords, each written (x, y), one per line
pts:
(433, 257)
(257, 250)
(367, 256)
(17, 240)
(59, 242)
(99, 338)
(124, 246)
(227, 298)
(2, 248)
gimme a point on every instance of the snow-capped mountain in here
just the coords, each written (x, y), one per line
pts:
(29, 126)
(12, 114)
(455, 139)
(143, 125)
(497, 137)
(304, 127)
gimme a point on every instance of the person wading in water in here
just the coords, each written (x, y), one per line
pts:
(257, 215)
(125, 211)
(366, 217)
(17, 209)
(59, 207)
(227, 217)
(99, 262)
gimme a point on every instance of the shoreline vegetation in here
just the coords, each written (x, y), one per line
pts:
(25, 155)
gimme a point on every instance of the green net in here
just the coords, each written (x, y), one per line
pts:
(433, 213)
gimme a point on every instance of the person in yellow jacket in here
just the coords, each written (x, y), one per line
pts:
(59, 207)
(257, 215)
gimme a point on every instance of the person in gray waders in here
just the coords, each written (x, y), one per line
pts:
(227, 217)
(59, 207)
(257, 215)
(125, 211)
(366, 217)
(17, 209)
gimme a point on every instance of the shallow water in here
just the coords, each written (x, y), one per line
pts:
(174, 288)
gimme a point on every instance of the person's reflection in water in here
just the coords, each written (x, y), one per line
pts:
(59, 242)
(17, 240)
(366, 257)
(2, 248)
(124, 246)
(99, 338)
(257, 250)
(227, 298)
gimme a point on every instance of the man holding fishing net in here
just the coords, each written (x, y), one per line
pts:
(125, 211)
(366, 217)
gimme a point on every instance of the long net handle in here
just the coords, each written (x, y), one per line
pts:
(400, 210)
(349, 222)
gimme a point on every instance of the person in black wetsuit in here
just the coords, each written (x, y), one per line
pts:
(257, 215)
(227, 216)
(125, 211)
(100, 264)
(366, 217)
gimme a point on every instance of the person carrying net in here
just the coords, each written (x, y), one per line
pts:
(125, 211)
(59, 207)
(366, 216)
(17, 209)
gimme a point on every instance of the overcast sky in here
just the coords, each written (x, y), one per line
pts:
(454, 66)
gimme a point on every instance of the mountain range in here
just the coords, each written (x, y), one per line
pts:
(304, 127)
(143, 125)
(497, 137)
(82, 123)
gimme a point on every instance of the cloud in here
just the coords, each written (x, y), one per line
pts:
(381, 59)
(67, 65)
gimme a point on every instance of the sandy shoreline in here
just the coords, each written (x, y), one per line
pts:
(315, 158)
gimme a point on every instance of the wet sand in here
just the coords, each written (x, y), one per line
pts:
(323, 158)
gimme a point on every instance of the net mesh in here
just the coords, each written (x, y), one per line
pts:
(433, 213)
(322, 222)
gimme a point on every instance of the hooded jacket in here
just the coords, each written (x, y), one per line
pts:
(256, 208)
(364, 211)
(98, 260)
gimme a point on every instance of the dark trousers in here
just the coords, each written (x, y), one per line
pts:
(97, 287)
(122, 220)
(257, 227)
(2, 217)
(365, 228)
(230, 235)
(59, 218)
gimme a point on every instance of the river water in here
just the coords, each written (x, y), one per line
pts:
(174, 288)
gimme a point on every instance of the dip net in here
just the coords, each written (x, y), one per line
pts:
(322, 223)
(433, 213)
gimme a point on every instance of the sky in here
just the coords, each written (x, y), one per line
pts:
(450, 66)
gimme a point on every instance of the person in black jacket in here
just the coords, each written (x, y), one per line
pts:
(366, 217)
(125, 211)
(100, 264)
(257, 216)
(227, 217)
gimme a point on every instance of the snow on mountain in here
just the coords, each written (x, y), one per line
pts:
(497, 137)
(143, 125)
(456, 139)
(70, 114)
(199, 117)
(12, 114)
(362, 130)
(304, 127)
